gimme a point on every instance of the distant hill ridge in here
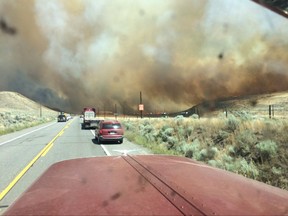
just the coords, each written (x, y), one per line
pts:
(253, 104)
(13, 100)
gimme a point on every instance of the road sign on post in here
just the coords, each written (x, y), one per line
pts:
(141, 107)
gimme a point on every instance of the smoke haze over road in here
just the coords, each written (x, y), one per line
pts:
(73, 54)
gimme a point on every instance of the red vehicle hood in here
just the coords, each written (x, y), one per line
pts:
(146, 185)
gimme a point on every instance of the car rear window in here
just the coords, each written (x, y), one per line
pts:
(111, 126)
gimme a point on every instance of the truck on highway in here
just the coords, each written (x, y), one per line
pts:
(89, 118)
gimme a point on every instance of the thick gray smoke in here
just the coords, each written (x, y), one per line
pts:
(78, 53)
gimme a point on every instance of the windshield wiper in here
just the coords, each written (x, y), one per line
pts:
(278, 6)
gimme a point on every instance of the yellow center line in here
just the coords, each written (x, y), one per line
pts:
(43, 152)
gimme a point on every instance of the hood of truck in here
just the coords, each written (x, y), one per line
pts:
(146, 185)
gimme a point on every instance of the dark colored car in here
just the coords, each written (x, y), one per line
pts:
(109, 130)
(62, 118)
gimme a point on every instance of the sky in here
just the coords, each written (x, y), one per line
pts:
(70, 54)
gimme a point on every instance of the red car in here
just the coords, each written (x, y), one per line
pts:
(109, 130)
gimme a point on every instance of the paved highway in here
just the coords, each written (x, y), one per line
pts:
(26, 154)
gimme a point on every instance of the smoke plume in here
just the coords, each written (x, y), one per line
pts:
(80, 53)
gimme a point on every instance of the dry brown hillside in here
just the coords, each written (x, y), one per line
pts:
(255, 105)
(14, 101)
(18, 111)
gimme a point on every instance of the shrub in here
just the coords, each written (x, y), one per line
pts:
(191, 149)
(243, 115)
(245, 141)
(215, 163)
(248, 169)
(212, 163)
(169, 131)
(171, 142)
(276, 171)
(183, 133)
(267, 149)
(202, 155)
(195, 116)
(179, 117)
(128, 125)
(165, 132)
(219, 138)
(207, 154)
(231, 150)
(230, 167)
(246, 147)
(232, 123)
(146, 129)
(150, 137)
(188, 131)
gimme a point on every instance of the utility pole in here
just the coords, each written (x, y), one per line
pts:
(270, 111)
(40, 111)
(140, 108)
(104, 111)
(124, 110)
(115, 111)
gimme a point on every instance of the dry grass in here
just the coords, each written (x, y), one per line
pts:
(18, 112)
(255, 148)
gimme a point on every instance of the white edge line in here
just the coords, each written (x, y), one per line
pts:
(103, 147)
(105, 150)
(25, 134)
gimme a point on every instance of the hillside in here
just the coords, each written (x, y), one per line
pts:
(246, 141)
(254, 105)
(18, 111)
(15, 101)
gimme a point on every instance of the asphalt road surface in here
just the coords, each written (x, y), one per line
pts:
(26, 154)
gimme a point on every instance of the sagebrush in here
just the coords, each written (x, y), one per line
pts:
(250, 147)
